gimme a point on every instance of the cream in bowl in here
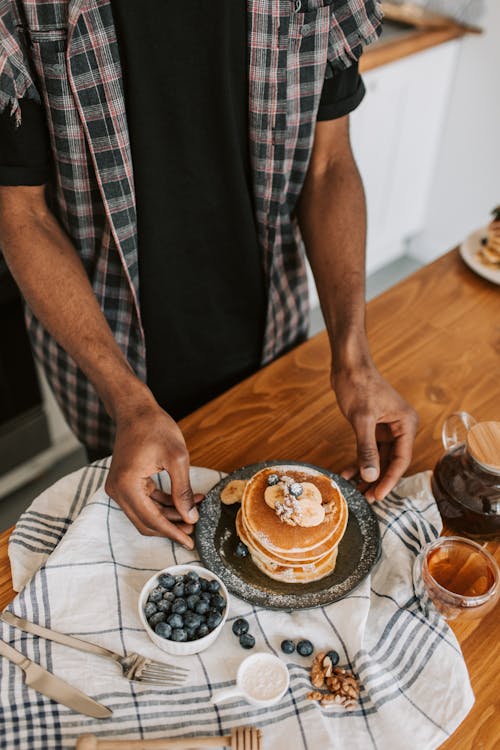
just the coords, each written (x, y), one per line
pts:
(262, 680)
(183, 608)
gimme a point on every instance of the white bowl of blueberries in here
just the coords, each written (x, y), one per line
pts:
(183, 608)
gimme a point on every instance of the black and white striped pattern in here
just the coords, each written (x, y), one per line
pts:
(84, 564)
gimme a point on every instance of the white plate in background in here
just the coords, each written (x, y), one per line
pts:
(468, 250)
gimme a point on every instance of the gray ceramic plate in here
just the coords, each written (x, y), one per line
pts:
(216, 540)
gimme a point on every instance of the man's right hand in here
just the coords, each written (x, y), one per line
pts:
(147, 441)
(57, 289)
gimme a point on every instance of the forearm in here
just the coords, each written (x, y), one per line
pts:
(332, 218)
(53, 281)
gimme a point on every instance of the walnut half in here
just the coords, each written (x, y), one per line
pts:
(340, 687)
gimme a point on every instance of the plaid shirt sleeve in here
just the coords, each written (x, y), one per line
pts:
(353, 24)
(16, 80)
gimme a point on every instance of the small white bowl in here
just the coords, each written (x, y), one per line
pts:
(181, 648)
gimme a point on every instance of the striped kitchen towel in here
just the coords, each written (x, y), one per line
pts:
(81, 564)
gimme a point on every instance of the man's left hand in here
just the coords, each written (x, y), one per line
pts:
(384, 426)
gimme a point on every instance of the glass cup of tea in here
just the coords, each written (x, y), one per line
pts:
(457, 577)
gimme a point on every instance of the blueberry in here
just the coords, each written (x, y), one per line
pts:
(167, 581)
(192, 587)
(179, 634)
(213, 619)
(156, 594)
(175, 620)
(156, 618)
(288, 647)
(334, 658)
(273, 479)
(164, 605)
(178, 589)
(179, 579)
(163, 629)
(179, 606)
(191, 634)
(192, 576)
(247, 640)
(202, 607)
(296, 489)
(213, 586)
(192, 601)
(203, 584)
(206, 596)
(169, 596)
(218, 602)
(149, 609)
(203, 630)
(192, 620)
(305, 648)
(240, 626)
(241, 550)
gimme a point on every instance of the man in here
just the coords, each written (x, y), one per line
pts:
(155, 232)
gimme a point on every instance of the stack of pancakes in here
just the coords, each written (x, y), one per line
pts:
(489, 253)
(292, 553)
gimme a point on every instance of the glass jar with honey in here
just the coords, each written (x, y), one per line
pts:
(466, 480)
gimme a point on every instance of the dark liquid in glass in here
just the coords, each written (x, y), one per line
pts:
(468, 497)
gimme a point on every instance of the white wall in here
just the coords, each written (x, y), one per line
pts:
(466, 184)
(396, 135)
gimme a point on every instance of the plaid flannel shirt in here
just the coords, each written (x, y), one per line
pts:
(64, 53)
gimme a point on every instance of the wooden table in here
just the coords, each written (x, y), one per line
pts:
(436, 337)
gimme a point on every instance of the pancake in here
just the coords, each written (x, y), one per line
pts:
(266, 527)
(281, 570)
(305, 574)
(290, 557)
(258, 550)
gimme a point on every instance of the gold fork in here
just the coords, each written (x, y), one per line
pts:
(134, 666)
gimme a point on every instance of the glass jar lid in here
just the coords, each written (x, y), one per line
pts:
(483, 444)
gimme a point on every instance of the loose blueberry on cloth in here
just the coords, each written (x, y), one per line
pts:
(82, 565)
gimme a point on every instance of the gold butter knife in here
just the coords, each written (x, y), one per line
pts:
(54, 687)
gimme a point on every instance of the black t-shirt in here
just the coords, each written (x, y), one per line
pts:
(202, 290)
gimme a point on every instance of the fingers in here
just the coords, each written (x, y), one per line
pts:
(350, 471)
(385, 451)
(153, 517)
(144, 445)
(168, 508)
(401, 459)
(166, 500)
(133, 496)
(368, 457)
(182, 494)
(393, 454)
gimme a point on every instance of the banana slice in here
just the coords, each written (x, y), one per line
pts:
(233, 492)
(273, 495)
(310, 492)
(311, 513)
